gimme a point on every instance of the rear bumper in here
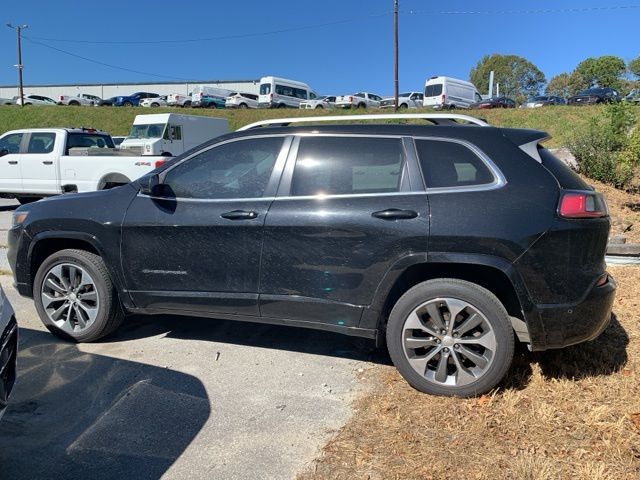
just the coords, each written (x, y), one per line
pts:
(569, 324)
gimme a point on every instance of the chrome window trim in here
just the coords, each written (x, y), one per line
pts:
(499, 179)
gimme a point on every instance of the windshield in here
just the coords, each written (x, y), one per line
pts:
(153, 130)
(265, 89)
(407, 94)
(592, 91)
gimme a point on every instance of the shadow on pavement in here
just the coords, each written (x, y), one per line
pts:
(293, 339)
(8, 208)
(79, 415)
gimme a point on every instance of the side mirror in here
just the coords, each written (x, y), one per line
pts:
(3, 152)
(149, 184)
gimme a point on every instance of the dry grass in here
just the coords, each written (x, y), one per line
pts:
(567, 414)
(624, 209)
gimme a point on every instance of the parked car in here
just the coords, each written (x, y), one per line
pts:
(592, 96)
(178, 100)
(201, 95)
(326, 101)
(495, 102)
(132, 100)
(543, 100)
(8, 350)
(41, 162)
(170, 134)
(212, 102)
(81, 99)
(446, 93)
(155, 102)
(387, 231)
(405, 100)
(278, 92)
(36, 100)
(241, 100)
(7, 101)
(633, 96)
(107, 102)
(359, 100)
(117, 140)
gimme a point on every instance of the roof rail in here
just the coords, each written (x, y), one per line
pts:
(436, 118)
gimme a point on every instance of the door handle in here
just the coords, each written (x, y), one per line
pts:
(48, 162)
(13, 162)
(395, 214)
(239, 215)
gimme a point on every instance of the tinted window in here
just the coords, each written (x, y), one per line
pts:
(449, 164)
(233, 170)
(347, 165)
(11, 143)
(75, 140)
(265, 89)
(433, 90)
(41, 142)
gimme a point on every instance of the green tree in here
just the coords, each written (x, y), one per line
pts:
(605, 71)
(560, 85)
(634, 66)
(517, 76)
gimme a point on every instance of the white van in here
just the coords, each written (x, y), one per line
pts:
(447, 92)
(280, 93)
(170, 134)
(199, 92)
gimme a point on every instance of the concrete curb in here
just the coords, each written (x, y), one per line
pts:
(624, 249)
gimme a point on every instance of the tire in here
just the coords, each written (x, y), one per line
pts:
(166, 154)
(73, 103)
(243, 106)
(319, 107)
(28, 103)
(186, 104)
(155, 104)
(403, 106)
(362, 105)
(282, 105)
(107, 309)
(420, 359)
(25, 200)
(127, 104)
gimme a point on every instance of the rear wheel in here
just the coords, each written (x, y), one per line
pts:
(450, 337)
(155, 104)
(127, 104)
(362, 105)
(74, 103)
(74, 296)
(243, 106)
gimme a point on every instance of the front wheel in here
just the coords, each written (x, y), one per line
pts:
(450, 337)
(74, 296)
(127, 104)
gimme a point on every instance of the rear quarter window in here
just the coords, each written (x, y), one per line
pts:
(447, 164)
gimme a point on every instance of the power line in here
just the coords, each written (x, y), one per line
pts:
(30, 40)
(213, 39)
(524, 12)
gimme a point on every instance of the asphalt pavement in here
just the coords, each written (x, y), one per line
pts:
(174, 397)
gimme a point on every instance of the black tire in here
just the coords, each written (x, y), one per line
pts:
(320, 107)
(25, 200)
(362, 105)
(74, 103)
(243, 106)
(483, 301)
(28, 103)
(166, 154)
(282, 105)
(154, 104)
(127, 104)
(186, 104)
(110, 313)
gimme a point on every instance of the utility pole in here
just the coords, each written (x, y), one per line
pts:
(395, 44)
(18, 30)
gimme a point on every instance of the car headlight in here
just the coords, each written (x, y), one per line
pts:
(18, 218)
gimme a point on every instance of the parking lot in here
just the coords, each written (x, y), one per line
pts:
(174, 397)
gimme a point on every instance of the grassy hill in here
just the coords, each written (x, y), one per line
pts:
(557, 121)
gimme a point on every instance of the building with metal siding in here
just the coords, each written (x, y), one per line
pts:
(107, 90)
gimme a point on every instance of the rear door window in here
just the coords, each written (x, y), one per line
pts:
(347, 165)
(41, 142)
(433, 90)
(447, 164)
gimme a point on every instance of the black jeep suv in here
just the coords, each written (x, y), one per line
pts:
(449, 241)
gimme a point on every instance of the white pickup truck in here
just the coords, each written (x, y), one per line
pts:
(81, 99)
(40, 162)
(359, 100)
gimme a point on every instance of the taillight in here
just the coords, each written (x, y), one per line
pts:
(350, 99)
(159, 163)
(582, 205)
(443, 97)
(61, 97)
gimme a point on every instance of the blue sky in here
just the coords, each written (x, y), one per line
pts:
(356, 54)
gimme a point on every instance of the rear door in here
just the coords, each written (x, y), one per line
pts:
(10, 176)
(346, 210)
(39, 163)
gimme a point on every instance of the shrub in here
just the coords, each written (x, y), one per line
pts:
(608, 148)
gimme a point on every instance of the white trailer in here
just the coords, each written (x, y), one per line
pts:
(170, 134)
